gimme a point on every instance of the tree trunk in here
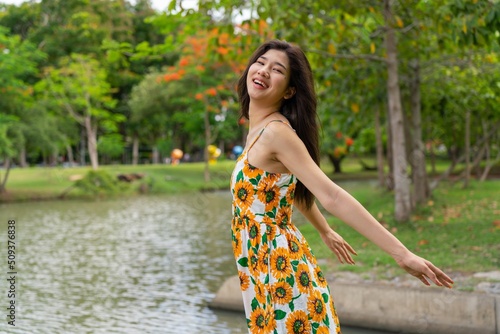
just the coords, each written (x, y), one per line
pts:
(135, 150)
(401, 180)
(489, 163)
(156, 155)
(92, 142)
(54, 158)
(22, 158)
(82, 148)
(389, 183)
(467, 149)
(336, 163)
(208, 136)
(420, 181)
(446, 174)
(379, 148)
(432, 155)
(71, 159)
(6, 166)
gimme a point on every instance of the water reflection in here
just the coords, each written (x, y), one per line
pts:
(139, 265)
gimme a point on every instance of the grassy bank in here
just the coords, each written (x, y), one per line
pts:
(458, 229)
(40, 183)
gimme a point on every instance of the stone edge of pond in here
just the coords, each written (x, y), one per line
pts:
(397, 309)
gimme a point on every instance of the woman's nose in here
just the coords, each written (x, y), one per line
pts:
(263, 72)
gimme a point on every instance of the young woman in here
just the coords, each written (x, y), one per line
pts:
(284, 290)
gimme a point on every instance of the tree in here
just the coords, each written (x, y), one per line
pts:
(79, 88)
(7, 145)
(403, 205)
(211, 75)
(151, 111)
(17, 63)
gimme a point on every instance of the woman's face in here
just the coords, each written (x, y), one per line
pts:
(268, 78)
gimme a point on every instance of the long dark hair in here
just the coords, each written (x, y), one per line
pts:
(299, 110)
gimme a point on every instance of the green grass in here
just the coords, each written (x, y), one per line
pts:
(458, 230)
(50, 182)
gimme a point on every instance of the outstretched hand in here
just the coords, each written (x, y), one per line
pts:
(339, 246)
(424, 270)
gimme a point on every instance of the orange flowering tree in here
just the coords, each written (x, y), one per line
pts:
(211, 57)
(340, 147)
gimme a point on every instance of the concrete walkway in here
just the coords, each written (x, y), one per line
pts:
(428, 310)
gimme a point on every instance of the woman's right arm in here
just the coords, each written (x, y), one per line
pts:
(332, 239)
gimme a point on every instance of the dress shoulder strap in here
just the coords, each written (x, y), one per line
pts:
(261, 131)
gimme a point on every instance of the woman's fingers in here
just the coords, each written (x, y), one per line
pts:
(342, 253)
(438, 276)
(339, 247)
(422, 278)
(424, 270)
(350, 249)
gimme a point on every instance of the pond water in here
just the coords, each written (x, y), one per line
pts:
(147, 264)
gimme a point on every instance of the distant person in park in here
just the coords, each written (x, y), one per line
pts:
(284, 290)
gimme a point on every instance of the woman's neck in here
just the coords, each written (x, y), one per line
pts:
(257, 115)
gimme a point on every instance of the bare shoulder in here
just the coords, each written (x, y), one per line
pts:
(279, 134)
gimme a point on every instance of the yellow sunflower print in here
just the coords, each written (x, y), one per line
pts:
(260, 292)
(253, 263)
(254, 232)
(270, 227)
(263, 256)
(280, 263)
(309, 255)
(244, 280)
(316, 306)
(236, 242)
(290, 193)
(250, 170)
(323, 330)
(298, 323)
(284, 216)
(243, 191)
(257, 324)
(270, 319)
(282, 292)
(303, 278)
(269, 194)
(320, 277)
(294, 247)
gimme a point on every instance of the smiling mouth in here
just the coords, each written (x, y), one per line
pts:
(260, 83)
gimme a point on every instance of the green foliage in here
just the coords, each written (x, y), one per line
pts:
(7, 127)
(99, 183)
(127, 47)
(18, 65)
(17, 61)
(78, 88)
(111, 145)
(365, 142)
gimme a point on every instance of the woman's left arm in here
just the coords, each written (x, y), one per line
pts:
(341, 204)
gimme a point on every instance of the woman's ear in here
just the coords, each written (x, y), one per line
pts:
(289, 93)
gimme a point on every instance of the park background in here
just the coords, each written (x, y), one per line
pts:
(96, 95)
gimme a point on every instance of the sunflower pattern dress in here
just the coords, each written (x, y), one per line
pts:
(284, 289)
